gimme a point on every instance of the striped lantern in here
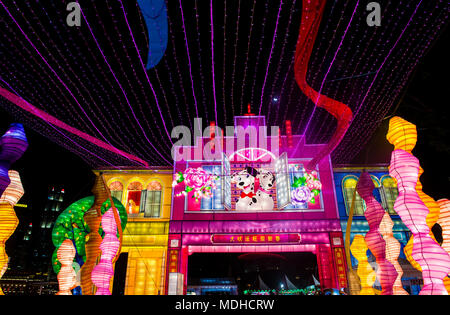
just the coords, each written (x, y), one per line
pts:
(377, 245)
(8, 218)
(432, 258)
(365, 272)
(393, 248)
(444, 222)
(103, 272)
(67, 275)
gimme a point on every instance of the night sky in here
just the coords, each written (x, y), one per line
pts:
(422, 99)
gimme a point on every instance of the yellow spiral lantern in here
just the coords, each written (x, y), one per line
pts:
(365, 272)
(8, 218)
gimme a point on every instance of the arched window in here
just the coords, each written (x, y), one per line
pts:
(116, 189)
(151, 200)
(348, 188)
(134, 197)
(390, 192)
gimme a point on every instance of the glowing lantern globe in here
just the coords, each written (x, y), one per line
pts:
(12, 146)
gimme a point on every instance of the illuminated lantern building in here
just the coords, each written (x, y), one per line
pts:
(146, 195)
(249, 195)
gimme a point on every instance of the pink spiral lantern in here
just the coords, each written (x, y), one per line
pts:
(375, 242)
(432, 258)
(393, 248)
(444, 222)
(103, 272)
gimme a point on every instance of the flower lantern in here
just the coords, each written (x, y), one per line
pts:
(306, 187)
(197, 181)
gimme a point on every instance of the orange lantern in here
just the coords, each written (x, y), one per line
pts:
(8, 218)
(93, 219)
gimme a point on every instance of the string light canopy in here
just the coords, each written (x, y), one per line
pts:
(88, 88)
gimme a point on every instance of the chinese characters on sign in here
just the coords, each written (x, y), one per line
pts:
(255, 238)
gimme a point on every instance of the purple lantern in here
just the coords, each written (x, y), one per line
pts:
(12, 146)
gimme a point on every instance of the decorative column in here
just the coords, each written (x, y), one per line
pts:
(392, 252)
(403, 135)
(93, 218)
(8, 218)
(374, 214)
(405, 168)
(103, 272)
(365, 272)
(444, 222)
(67, 275)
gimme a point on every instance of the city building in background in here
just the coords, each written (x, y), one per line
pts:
(43, 245)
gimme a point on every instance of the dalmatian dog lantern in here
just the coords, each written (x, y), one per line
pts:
(255, 185)
(264, 182)
(245, 181)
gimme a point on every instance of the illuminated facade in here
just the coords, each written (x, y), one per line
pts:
(146, 195)
(259, 197)
(385, 193)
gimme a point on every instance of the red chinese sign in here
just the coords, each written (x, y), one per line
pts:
(341, 272)
(255, 238)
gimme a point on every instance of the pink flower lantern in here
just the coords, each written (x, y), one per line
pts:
(197, 181)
